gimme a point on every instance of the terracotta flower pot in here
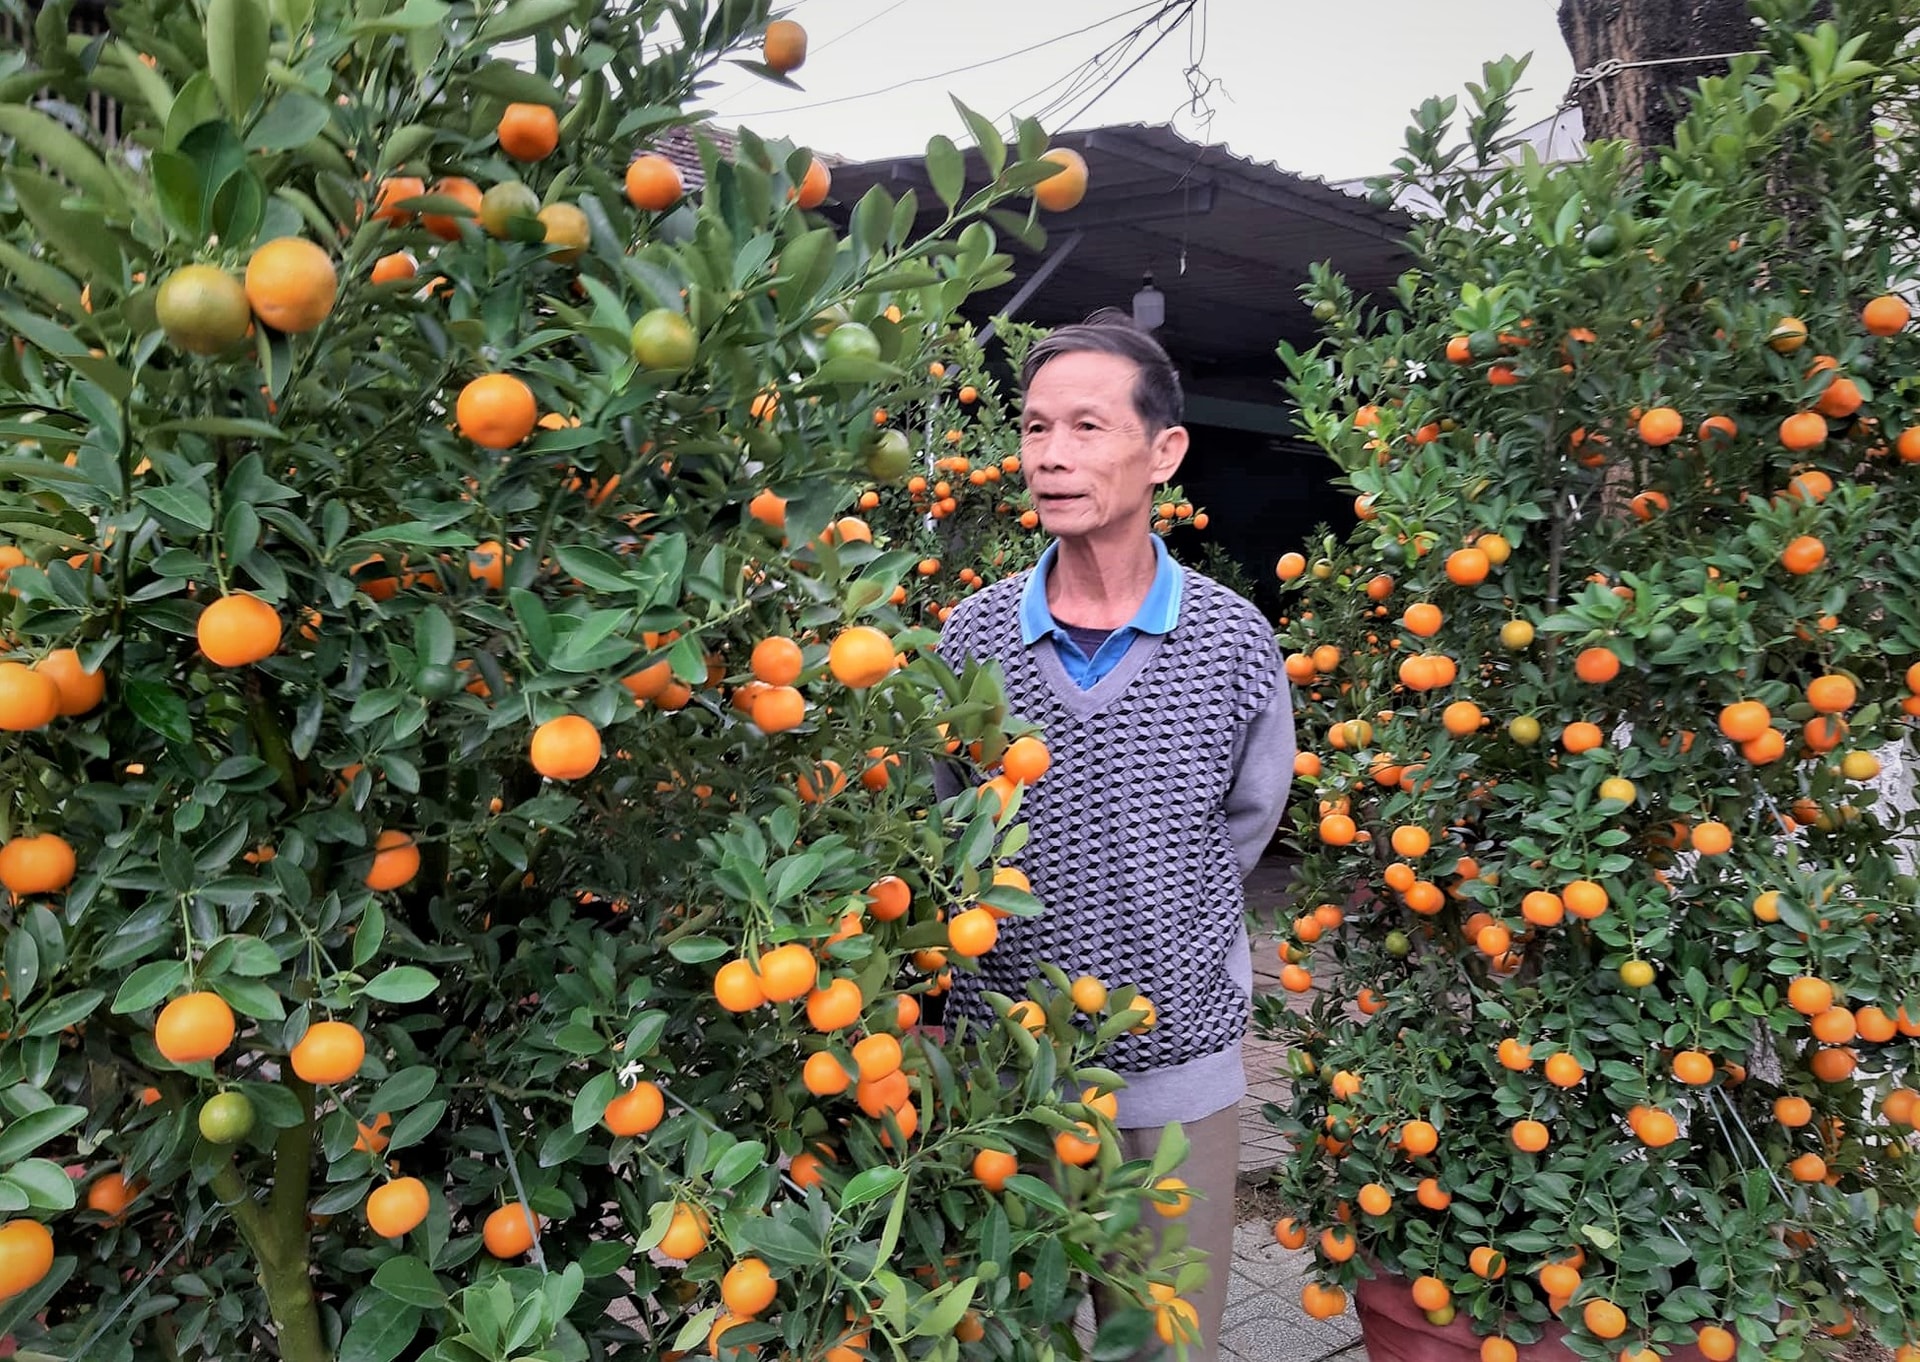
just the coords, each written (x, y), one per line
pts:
(1394, 1329)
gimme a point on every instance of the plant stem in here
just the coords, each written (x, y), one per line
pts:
(282, 1258)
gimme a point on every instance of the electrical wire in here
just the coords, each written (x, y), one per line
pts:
(1090, 72)
(862, 24)
(1108, 89)
(955, 71)
(1076, 76)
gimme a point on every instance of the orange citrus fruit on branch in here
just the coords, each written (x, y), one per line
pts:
(860, 656)
(776, 661)
(636, 1111)
(653, 183)
(330, 1052)
(784, 46)
(43, 864)
(393, 191)
(496, 411)
(26, 1256)
(237, 630)
(814, 186)
(28, 699)
(686, 1233)
(529, 132)
(566, 748)
(1067, 186)
(509, 1231)
(748, 1288)
(397, 1207)
(396, 860)
(566, 230)
(664, 341)
(193, 1028)
(462, 191)
(291, 284)
(1886, 315)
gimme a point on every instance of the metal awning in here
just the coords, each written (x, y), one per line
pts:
(1226, 239)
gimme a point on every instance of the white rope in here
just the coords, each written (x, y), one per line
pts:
(1613, 66)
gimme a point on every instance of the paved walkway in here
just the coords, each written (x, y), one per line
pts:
(1264, 1321)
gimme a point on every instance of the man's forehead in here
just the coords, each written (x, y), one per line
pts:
(1086, 388)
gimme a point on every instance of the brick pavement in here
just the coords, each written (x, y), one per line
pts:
(1264, 1321)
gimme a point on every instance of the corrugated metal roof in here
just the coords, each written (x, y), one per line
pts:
(1227, 239)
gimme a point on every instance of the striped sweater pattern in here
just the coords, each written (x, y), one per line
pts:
(1129, 847)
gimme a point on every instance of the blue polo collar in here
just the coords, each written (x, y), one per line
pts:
(1157, 614)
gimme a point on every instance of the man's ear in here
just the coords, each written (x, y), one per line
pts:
(1169, 450)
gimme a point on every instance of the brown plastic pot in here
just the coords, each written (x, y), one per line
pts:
(1394, 1329)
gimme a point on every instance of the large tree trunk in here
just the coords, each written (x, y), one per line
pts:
(1639, 103)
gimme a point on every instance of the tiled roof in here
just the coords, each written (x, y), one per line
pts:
(679, 145)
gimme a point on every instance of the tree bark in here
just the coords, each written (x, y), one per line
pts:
(1640, 103)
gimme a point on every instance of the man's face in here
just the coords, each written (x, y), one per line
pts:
(1086, 454)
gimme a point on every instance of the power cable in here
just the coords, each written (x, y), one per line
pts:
(1079, 77)
(1087, 73)
(1108, 89)
(862, 24)
(955, 71)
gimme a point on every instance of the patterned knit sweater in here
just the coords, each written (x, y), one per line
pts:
(1131, 846)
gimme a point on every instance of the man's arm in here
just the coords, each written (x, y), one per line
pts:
(1262, 775)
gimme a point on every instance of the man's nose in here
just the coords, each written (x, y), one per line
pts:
(1045, 448)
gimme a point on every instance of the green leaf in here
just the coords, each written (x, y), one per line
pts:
(291, 121)
(504, 80)
(44, 1183)
(372, 933)
(939, 1321)
(597, 570)
(870, 1185)
(947, 168)
(251, 997)
(161, 708)
(405, 1089)
(1036, 1192)
(63, 1012)
(522, 17)
(401, 984)
(39, 136)
(23, 1136)
(382, 1331)
(49, 283)
(238, 34)
(660, 569)
(695, 950)
(196, 106)
(737, 1163)
(854, 371)
(147, 985)
(188, 505)
(409, 1280)
(433, 637)
(22, 963)
(75, 233)
(992, 149)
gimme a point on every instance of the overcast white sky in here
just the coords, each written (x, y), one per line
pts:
(1316, 87)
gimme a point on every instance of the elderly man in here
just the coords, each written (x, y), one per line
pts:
(1162, 699)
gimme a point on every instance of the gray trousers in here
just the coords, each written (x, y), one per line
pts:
(1212, 1170)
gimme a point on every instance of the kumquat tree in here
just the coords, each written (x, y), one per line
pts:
(466, 802)
(1613, 929)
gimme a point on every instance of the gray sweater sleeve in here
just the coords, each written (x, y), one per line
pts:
(1262, 775)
